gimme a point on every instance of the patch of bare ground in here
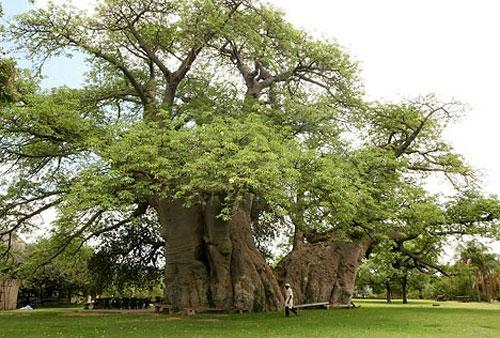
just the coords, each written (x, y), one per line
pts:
(14, 314)
(91, 313)
(157, 319)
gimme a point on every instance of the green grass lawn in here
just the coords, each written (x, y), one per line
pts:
(373, 319)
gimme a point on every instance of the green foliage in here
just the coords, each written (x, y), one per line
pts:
(12, 255)
(15, 84)
(8, 267)
(68, 273)
(223, 155)
(129, 260)
(421, 286)
(461, 282)
(474, 275)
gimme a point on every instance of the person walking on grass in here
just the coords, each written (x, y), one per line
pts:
(289, 301)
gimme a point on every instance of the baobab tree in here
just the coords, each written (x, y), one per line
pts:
(215, 116)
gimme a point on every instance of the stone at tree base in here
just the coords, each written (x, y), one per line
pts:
(189, 312)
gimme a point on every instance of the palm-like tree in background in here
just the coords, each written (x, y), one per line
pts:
(486, 265)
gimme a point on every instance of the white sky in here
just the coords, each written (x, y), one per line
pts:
(410, 48)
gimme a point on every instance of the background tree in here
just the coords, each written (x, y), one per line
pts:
(63, 280)
(129, 259)
(378, 276)
(459, 283)
(384, 201)
(486, 266)
(384, 281)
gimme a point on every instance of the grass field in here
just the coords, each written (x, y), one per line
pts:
(373, 319)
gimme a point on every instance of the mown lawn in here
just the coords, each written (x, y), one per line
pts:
(373, 319)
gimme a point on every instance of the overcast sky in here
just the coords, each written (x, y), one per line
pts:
(405, 48)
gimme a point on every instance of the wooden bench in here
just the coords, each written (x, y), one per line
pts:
(323, 305)
(463, 299)
(441, 298)
(343, 306)
(160, 308)
(326, 305)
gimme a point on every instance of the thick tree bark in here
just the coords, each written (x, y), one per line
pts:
(388, 290)
(404, 288)
(9, 289)
(186, 276)
(323, 271)
(486, 286)
(212, 263)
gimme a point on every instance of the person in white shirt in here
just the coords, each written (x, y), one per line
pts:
(289, 301)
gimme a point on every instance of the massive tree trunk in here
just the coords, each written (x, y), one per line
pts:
(323, 271)
(9, 289)
(212, 263)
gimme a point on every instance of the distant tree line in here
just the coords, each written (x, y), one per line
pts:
(474, 276)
